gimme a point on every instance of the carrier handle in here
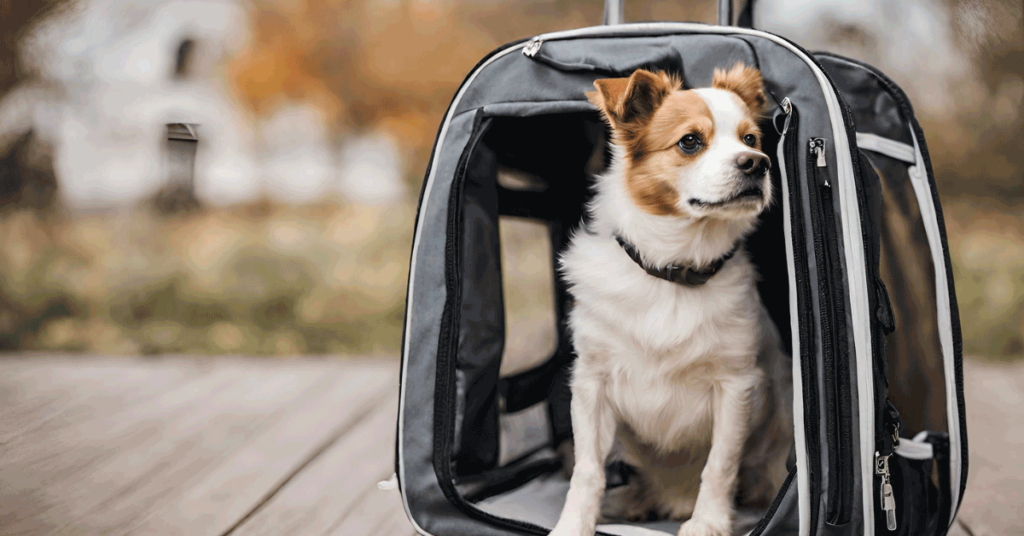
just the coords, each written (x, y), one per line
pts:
(613, 13)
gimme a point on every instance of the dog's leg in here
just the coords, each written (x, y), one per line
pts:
(713, 512)
(593, 425)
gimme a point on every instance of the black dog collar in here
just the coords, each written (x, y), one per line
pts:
(683, 275)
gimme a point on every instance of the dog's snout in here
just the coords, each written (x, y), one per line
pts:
(753, 163)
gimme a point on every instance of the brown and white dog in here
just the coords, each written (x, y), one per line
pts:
(688, 378)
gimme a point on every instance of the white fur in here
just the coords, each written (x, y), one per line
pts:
(667, 369)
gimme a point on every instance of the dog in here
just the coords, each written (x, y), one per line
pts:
(679, 364)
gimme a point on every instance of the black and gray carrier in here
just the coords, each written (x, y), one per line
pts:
(858, 205)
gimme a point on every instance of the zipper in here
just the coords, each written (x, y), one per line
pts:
(885, 492)
(888, 443)
(803, 309)
(832, 320)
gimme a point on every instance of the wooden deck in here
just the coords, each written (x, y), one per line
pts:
(198, 446)
(232, 446)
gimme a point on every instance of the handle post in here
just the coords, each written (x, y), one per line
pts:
(725, 12)
(613, 12)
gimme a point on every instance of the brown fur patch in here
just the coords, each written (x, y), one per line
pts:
(744, 81)
(628, 103)
(644, 112)
(652, 159)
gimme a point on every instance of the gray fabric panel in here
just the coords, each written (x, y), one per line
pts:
(527, 109)
(515, 78)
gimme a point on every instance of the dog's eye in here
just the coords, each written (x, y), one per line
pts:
(750, 140)
(689, 144)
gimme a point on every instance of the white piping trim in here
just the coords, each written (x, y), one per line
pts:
(888, 147)
(919, 179)
(845, 174)
(803, 482)
(915, 450)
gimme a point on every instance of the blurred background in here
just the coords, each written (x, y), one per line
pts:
(241, 176)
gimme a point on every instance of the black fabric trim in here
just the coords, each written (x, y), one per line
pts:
(774, 507)
(509, 478)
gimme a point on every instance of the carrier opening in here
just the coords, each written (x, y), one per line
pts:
(521, 185)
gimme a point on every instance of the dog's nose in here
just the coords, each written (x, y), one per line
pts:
(753, 163)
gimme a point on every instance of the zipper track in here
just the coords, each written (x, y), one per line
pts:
(808, 361)
(836, 373)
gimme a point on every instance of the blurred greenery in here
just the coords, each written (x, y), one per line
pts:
(255, 279)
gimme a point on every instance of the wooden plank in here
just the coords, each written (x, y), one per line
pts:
(244, 479)
(323, 497)
(140, 478)
(54, 393)
(140, 451)
(376, 513)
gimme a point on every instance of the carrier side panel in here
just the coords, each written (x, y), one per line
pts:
(426, 504)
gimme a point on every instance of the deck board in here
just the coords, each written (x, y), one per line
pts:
(246, 477)
(321, 498)
(235, 446)
(177, 446)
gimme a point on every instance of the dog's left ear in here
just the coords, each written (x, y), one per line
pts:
(744, 81)
(631, 101)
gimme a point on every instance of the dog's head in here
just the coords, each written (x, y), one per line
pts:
(694, 153)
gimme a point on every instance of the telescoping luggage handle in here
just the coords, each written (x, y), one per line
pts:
(613, 13)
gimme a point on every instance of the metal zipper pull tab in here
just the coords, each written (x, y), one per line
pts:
(818, 148)
(785, 113)
(888, 501)
(531, 48)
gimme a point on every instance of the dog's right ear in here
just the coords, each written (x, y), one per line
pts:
(633, 100)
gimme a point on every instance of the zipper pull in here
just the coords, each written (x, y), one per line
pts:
(818, 149)
(888, 501)
(785, 113)
(531, 48)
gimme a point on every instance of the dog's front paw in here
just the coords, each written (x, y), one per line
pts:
(706, 527)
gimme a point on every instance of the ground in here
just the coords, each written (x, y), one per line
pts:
(235, 446)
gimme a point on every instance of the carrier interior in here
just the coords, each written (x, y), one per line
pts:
(525, 183)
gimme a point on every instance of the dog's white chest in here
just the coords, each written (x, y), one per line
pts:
(667, 409)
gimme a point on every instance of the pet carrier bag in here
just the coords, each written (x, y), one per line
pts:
(857, 204)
